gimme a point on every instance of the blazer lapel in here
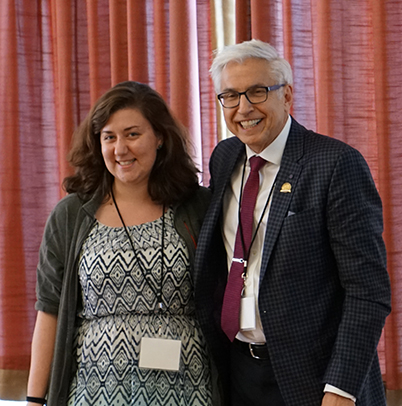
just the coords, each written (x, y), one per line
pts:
(223, 161)
(286, 183)
(228, 159)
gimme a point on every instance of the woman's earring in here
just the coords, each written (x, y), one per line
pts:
(159, 146)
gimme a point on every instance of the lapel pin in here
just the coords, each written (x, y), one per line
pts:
(286, 188)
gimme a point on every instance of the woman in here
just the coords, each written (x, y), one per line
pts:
(116, 320)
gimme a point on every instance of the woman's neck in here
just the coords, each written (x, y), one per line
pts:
(126, 193)
(134, 204)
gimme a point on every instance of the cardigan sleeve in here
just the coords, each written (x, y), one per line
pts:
(50, 268)
(189, 217)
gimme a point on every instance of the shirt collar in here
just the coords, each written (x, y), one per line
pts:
(274, 151)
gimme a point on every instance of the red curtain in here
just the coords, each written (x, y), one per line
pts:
(58, 56)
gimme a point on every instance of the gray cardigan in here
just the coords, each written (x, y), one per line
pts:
(58, 288)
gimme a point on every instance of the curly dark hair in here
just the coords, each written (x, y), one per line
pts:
(173, 177)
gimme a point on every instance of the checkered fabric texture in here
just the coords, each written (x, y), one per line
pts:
(324, 289)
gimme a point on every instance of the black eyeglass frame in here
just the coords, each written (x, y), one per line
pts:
(267, 88)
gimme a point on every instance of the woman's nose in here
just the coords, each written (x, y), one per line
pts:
(120, 146)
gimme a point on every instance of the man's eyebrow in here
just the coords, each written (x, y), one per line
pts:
(228, 90)
(250, 87)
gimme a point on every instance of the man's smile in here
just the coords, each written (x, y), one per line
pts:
(249, 123)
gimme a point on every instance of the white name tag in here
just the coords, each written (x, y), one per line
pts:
(247, 313)
(160, 353)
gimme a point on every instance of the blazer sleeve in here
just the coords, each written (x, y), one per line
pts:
(355, 226)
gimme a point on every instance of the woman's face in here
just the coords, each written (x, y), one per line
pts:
(129, 147)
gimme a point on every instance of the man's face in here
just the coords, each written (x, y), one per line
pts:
(257, 125)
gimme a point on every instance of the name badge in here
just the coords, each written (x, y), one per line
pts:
(247, 313)
(160, 353)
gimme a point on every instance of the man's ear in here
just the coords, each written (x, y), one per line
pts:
(288, 96)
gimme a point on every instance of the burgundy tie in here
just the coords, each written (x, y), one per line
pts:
(231, 301)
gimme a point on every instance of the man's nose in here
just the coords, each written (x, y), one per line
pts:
(244, 105)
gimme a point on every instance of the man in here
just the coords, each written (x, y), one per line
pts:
(310, 276)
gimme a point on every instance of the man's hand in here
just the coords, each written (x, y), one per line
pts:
(331, 399)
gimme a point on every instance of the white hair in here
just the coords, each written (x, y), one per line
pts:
(280, 67)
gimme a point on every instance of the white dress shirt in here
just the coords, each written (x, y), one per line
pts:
(273, 155)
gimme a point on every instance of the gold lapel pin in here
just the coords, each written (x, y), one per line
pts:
(286, 188)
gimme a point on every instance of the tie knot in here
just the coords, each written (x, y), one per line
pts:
(256, 163)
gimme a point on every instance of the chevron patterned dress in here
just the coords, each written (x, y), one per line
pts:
(119, 302)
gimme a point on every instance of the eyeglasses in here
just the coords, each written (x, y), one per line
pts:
(255, 95)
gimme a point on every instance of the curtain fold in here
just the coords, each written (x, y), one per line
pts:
(58, 56)
(184, 75)
(223, 18)
(98, 23)
(243, 23)
(93, 50)
(118, 41)
(261, 17)
(323, 56)
(161, 48)
(62, 43)
(137, 41)
(208, 136)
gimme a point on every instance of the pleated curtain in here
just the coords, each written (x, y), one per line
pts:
(58, 56)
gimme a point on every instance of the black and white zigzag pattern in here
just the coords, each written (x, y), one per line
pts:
(118, 310)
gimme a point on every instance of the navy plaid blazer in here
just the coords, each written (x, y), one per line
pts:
(324, 289)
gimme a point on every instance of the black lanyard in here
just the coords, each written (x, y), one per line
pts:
(246, 254)
(157, 292)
